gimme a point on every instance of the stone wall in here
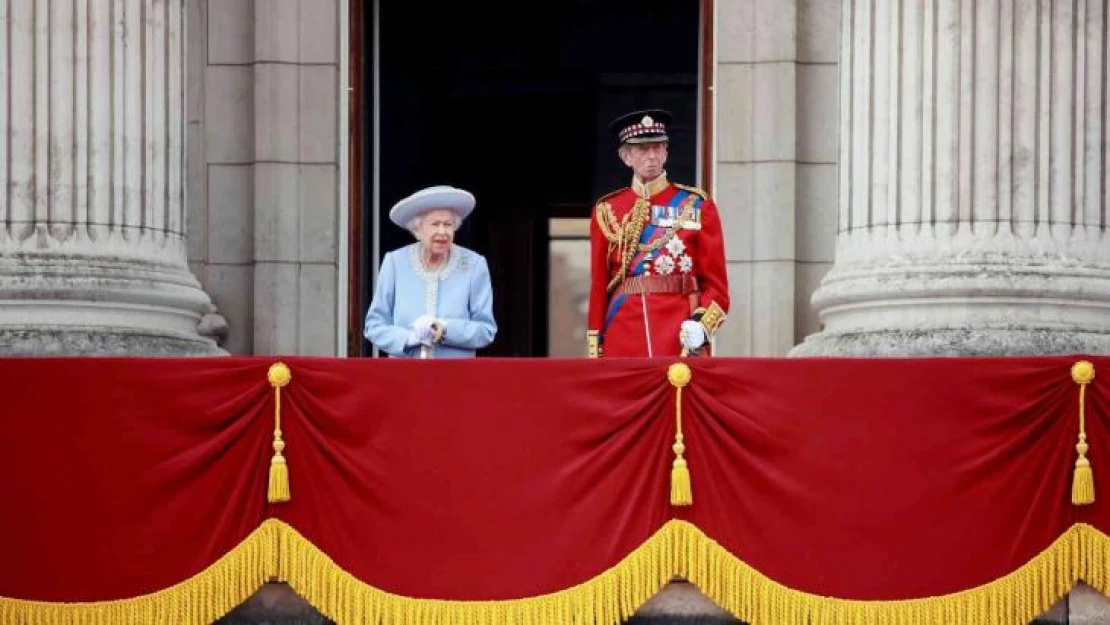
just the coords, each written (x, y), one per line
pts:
(261, 248)
(264, 197)
(776, 147)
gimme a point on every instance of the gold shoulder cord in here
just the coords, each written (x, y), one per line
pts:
(606, 221)
(625, 235)
(696, 191)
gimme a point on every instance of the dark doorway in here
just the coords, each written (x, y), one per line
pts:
(510, 100)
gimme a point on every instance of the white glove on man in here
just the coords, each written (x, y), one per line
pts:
(424, 329)
(692, 334)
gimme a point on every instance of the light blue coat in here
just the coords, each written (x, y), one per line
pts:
(460, 294)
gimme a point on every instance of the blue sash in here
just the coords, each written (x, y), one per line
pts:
(641, 259)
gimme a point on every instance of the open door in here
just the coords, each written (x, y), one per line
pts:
(513, 105)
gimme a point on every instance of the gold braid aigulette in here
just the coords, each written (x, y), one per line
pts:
(625, 234)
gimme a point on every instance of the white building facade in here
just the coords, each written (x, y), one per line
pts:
(896, 177)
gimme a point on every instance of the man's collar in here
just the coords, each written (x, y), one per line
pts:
(648, 189)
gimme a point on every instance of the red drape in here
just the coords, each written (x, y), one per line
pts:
(500, 479)
(122, 477)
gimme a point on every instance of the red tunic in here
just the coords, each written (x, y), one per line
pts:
(677, 270)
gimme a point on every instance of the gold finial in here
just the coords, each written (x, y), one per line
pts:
(679, 374)
(279, 375)
(1083, 479)
(1083, 372)
(277, 488)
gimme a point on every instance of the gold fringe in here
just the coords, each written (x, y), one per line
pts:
(1014, 599)
(682, 494)
(611, 597)
(277, 488)
(277, 551)
(1083, 479)
(201, 599)
(681, 549)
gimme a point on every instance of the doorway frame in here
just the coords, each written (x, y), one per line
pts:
(353, 282)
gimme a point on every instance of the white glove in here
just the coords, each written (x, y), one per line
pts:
(424, 329)
(413, 340)
(692, 334)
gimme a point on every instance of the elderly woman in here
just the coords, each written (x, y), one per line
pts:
(433, 298)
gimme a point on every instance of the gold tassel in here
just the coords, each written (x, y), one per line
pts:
(682, 494)
(278, 487)
(1083, 481)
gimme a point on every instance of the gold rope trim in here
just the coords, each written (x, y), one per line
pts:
(1083, 479)
(201, 599)
(277, 488)
(679, 548)
(682, 494)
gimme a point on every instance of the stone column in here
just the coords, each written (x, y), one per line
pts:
(92, 244)
(972, 210)
(266, 184)
(757, 170)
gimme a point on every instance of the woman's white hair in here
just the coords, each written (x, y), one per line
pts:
(414, 223)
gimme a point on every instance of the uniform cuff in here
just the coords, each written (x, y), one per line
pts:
(710, 318)
(593, 344)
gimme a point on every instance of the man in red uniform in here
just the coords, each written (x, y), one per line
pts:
(658, 285)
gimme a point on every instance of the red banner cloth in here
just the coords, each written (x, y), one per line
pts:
(511, 478)
(122, 477)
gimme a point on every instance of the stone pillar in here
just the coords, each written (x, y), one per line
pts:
(92, 244)
(266, 182)
(972, 213)
(756, 170)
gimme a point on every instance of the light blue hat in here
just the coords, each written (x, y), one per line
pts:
(433, 198)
